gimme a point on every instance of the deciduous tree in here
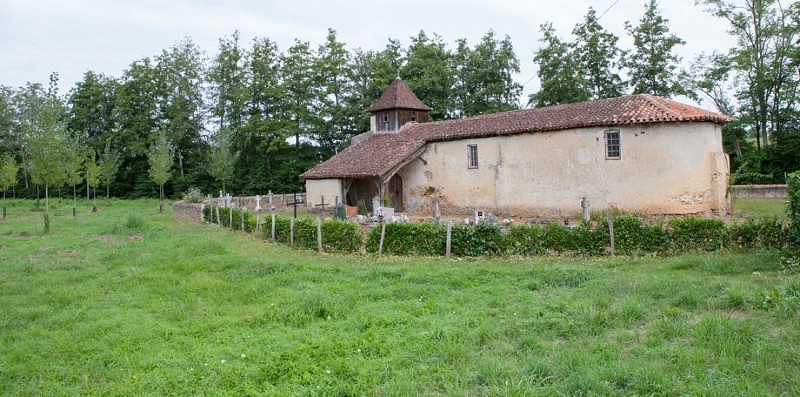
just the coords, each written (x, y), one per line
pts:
(559, 72)
(653, 64)
(599, 57)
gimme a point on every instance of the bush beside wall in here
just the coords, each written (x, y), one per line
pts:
(794, 205)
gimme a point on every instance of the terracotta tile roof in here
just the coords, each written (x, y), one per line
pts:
(383, 151)
(398, 96)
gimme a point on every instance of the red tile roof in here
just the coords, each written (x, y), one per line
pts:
(383, 151)
(398, 96)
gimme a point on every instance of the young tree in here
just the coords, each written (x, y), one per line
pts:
(653, 63)
(161, 157)
(47, 132)
(93, 174)
(73, 162)
(8, 173)
(222, 160)
(8, 176)
(559, 72)
(109, 164)
(599, 57)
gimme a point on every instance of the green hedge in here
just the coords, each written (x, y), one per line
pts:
(337, 236)
(427, 239)
(794, 206)
(632, 236)
(698, 234)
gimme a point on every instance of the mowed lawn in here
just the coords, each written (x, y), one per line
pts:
(129, 302)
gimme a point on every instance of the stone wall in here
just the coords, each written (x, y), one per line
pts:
(282, 202)
(759, 191)
(187, 212)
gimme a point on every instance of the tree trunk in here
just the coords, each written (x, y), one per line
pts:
(94, 200)
(46, 209)
(74, 200)
(161, 196)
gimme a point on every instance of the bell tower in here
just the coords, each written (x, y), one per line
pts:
(397, 106)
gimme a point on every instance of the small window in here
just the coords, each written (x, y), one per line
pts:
(472, 156)
(413, 116)
(385, 117)
(613, 149)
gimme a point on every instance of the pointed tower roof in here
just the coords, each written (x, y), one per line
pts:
(398, 96)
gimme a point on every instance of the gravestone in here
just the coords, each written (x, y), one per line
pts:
(220, 200)
(271, 202)
(228, 200)
(376, 203)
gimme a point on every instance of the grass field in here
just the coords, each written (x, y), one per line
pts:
(759, 207)
(128, 302)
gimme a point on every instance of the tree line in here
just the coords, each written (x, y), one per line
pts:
(251, 117)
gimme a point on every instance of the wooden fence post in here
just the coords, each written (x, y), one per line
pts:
(219, 222)
(449, 241)
(610, 219)
(291, 232)
(319, 235)
(383, 234)
(241, 218)
(273, 227)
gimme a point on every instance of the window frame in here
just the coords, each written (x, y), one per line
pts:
(613, 144)
(472, 156)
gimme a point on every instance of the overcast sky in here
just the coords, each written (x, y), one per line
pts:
(71, 37)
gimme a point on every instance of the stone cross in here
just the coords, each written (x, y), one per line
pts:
(258, 204)
(585, 208)
(228, 200)
(221, 199)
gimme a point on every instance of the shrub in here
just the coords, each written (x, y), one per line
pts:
(193, 195)
(634, 236)
(758, 233)
(526, 240)
(794, 206)
(426, 239)
(341, 236)
(697, 234)
(479, 240)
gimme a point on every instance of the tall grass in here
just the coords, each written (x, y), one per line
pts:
(128, 302)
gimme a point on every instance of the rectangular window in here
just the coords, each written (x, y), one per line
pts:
(613, 148)
(472, 156)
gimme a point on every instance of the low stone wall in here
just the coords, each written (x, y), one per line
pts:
(187, 212)
(759, 191)
(280, 201)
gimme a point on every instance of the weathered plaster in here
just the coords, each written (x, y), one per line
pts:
(317, 188)
(669, 168)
